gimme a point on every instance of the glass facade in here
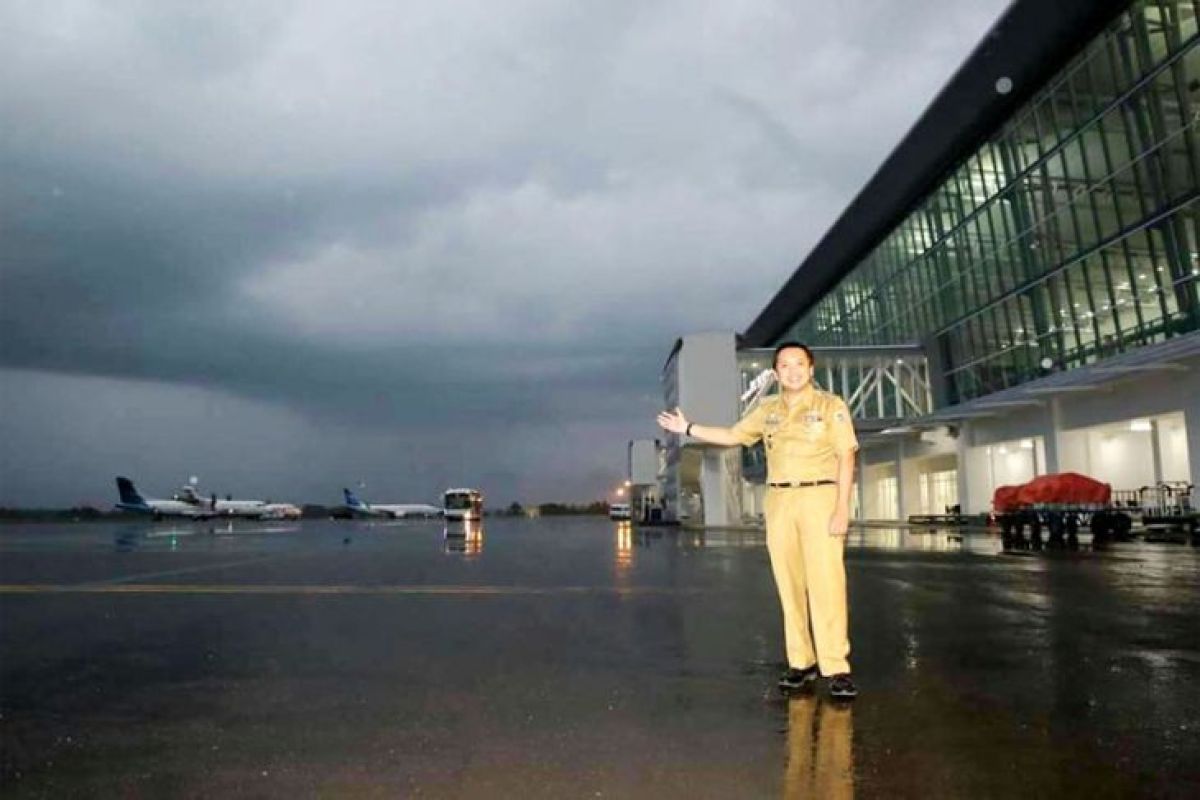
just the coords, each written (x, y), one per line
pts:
(1070, 236)
(939, 491)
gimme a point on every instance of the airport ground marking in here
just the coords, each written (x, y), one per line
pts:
(320, 589)
(168, 573)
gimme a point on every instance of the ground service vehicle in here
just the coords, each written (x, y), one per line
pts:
(462, 504)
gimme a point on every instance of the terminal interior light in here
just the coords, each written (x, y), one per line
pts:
(1140, 426)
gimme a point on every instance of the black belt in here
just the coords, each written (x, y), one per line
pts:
(801, 484)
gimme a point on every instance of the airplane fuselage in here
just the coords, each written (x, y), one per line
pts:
(387, 511)
(165, 508)
(192, 504)
(408, 510)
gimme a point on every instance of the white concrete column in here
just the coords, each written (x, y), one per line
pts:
(907, 486)
(731, 471)
(1050, 440)
(713, 483)
(1156, 451)
(964, 485)
(975, 470)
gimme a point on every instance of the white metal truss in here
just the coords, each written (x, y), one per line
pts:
(876, 383)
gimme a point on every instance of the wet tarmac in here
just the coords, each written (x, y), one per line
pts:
(581, 658)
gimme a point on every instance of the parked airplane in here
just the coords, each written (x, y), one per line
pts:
(132, 500)
(390, 511)
(189, 503)
(282, 511)
(248, 509)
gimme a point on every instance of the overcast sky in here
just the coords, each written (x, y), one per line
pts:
(291, 246)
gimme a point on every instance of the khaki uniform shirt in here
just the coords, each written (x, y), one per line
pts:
(803, 442)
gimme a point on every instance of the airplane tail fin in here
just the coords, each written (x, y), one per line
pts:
(129, 495)
(351, 499)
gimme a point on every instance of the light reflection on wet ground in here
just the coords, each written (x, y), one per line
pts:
(457, 538)
(900, 538)
(580, 657)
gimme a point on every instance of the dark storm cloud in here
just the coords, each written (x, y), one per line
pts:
(435, 218)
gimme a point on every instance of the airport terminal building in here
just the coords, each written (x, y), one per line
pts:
(1015, 292)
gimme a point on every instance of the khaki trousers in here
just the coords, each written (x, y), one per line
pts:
(810, 576)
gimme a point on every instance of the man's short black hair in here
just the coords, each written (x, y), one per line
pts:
(788, 346)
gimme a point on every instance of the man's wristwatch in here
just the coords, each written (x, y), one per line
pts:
(688, 430)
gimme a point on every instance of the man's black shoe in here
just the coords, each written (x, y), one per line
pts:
(795, 679)
(841, 687)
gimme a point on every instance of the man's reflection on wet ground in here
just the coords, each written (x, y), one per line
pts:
(820, 757)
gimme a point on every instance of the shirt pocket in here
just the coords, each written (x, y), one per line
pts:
(814, 428)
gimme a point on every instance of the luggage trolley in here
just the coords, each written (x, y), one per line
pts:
(1053, 508)
(1057, 525)
(1170, 508)
(1163, 509)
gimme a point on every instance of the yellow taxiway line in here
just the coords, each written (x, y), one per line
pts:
(319, 589)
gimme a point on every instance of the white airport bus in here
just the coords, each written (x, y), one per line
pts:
(619, 511)
(463, 504)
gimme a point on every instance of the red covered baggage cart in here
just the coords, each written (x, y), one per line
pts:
(1061, 504)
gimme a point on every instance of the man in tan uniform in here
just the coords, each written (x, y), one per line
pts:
(809, 438)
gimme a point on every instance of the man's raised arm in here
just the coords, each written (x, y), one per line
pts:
(676, 422)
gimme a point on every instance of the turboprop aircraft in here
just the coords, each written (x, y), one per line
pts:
(246, 509)
(189, 503)
(132, 500)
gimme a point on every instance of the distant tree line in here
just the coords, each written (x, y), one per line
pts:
(568, 509)
(58, 514)
(308, 511)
